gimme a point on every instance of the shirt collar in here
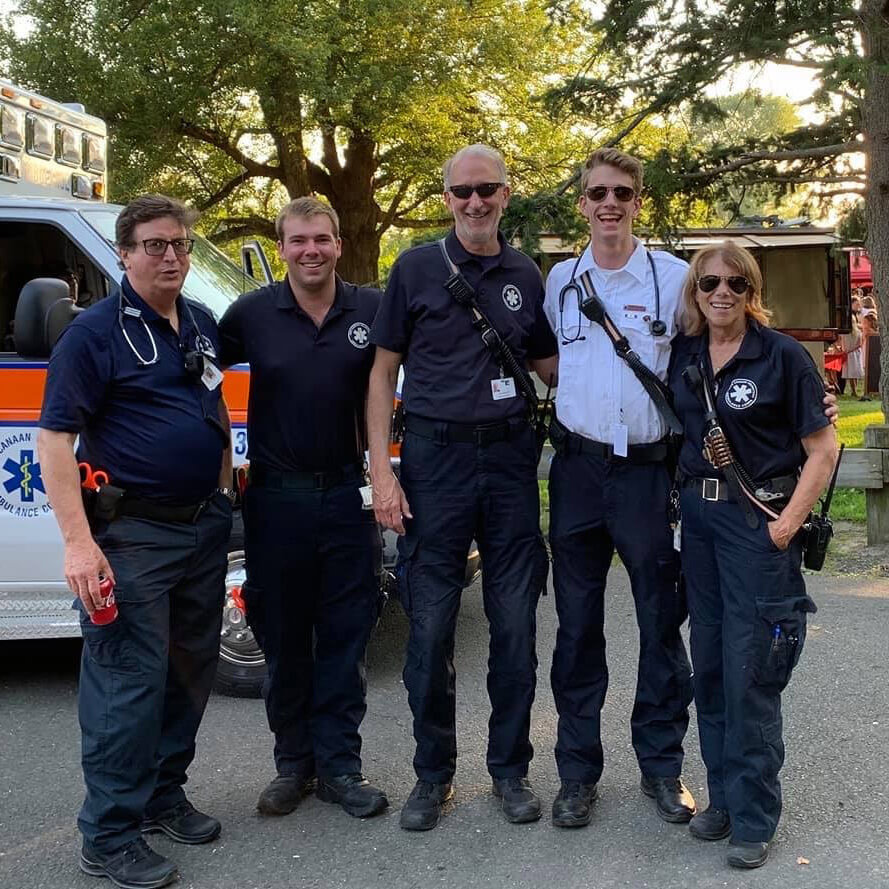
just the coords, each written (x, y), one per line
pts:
(345, 298)
(148, 314)
(636, 265)
(508, 257)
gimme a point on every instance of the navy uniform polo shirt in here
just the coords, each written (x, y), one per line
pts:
(447, 369)
(768, 397)
(308, 384)
(153, 428)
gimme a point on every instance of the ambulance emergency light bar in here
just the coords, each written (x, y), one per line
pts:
(40, 137)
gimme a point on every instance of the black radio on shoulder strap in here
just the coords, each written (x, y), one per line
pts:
(463, 293)
(593, 308)
(718, 447)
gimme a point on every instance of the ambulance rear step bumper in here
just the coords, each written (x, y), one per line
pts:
(37, 618)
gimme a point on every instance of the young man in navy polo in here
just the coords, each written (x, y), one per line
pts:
(313, 553)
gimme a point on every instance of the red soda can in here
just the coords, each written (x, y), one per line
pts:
(108, 612)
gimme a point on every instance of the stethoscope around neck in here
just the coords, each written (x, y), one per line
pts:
(657, 326)
(125, 309)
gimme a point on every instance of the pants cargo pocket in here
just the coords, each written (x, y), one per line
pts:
(407, 551)
(109, 646)
(779, 638)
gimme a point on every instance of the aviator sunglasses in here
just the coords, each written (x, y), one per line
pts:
(623, 193)
(483, 190)
(737, 283)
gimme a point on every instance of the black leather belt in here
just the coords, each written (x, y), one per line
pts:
(301, 480)
(567, 442)
(137, 508)
(444, 432)
(772, 492)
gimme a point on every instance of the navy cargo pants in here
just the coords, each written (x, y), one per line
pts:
(313, 597)
(597, 506)
(146, 677)
(457, 491)
(747, 604)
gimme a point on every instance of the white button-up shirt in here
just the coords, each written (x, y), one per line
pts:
(597, 390)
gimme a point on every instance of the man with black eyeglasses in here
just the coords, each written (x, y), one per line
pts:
(468, 469)
(136, 378)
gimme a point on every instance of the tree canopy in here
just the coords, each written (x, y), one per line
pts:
(671, 53)
(237, 105)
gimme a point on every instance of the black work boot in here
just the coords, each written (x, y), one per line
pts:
(354, 793)
(183, 823)
(747, 855)
(519, 802)
(422, 811)
(711, 824)
(573, 806)
(135, 866)
(283, 794)
(674, 801)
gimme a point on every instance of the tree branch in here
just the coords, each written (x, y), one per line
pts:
(244, 227)
(221, 141)
(753, 157)
(222, 193)
(392, 210)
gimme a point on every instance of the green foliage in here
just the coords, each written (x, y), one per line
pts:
(852, 227)
(741, 156)
(236, 106)
(528, 217)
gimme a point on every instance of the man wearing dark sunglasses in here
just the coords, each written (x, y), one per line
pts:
(609, 490)
(468, 469)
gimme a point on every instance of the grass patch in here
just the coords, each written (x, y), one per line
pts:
(849, 503)
(854, 416)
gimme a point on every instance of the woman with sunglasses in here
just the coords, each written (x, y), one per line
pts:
(746, 596)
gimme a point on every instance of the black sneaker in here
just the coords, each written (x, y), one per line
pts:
(135, 866)
(747, 855)
(422, 811)
(354, 793)
(573, 806)
(519, 802)
(183, 823)
(283, 794)
(711, 824)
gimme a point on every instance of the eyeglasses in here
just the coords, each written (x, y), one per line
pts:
(158, 246)
(483, 190)
(737, 283)
(623, 193)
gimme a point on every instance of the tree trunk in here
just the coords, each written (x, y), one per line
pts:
(352, 196)
(875, 41)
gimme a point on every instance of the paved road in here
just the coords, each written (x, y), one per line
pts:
(835, 780)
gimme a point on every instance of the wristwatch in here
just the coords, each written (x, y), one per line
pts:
(229, 493)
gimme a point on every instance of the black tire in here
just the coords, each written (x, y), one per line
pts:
(241, 670)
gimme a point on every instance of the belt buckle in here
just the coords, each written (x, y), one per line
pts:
(710, 484)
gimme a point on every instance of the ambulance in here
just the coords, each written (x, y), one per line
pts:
(56, 224)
